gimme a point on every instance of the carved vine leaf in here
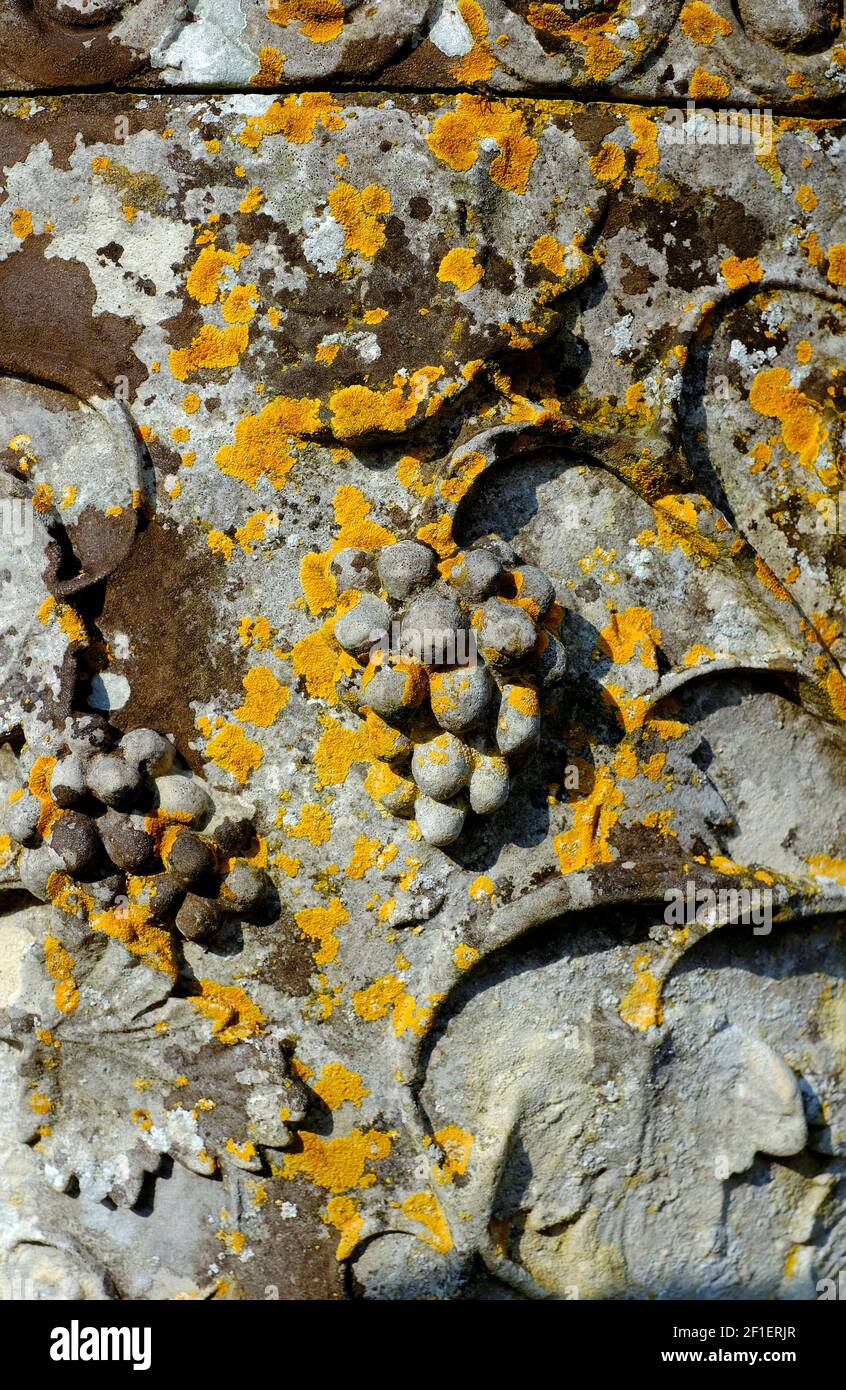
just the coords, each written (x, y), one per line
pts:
(115, 1070)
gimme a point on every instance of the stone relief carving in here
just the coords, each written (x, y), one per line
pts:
(350, 971)
(740, 51)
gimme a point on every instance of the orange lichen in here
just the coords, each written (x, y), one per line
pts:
(340, 1163)
(601, 56)
(337, 1085)
(835, 687)
(360, 410)
(356, 531)
(252, 201)
(424, 1208)
(339, 748)
(204, 278)
(389, 995)
(132, 927)
(21, 223)
(387, 787)
(231, 750)
(608, 165)
(456, 136)
(465, 956)
(826, 866)
(459, 267)
(479, 63)
(240, 304)
(704, 84)
(837, 263)
(806, 198)
(321, 663)
(265, 698)
(770, 581)
(341, 1212)
(214, 349)
(359, 213)
(677, 525)
(60, 966)
(263, 442)
(525, 700)
(594, 817)
(737, 273)
(642, 1006)
(271, 68)
(288, 863)
(234, 1016)
(628, 632)
(320, 924)
(244, 1152)
(701, 24)
(220, 544)
(802, 431)
(39, 786)
(320, 21)
(295, 119)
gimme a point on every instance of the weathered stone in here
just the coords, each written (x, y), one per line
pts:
(364, 625)
(440, 822)
(404, 567)
(244, 888)
(128, 845)
(441, 766)
(22, 817)
(506, 633)
(190, 860)
(459, 307)
(67, 783)
(183, 796)
(111, 780)
(76, 841)
(477, 575)
(148, 750)
(198, 918)
(460, 697)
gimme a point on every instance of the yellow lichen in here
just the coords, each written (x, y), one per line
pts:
(231, 750)
(234, 1016)
(320, 924)
(314, 825)
(338, 1164)
(594, 817)
(424, 1208)
(359, 214)
(265, 698)
(456, 1144)
(459, 267)
(642, 1006)
(320, 21)
(337, 1085)
(701, 24)
(456, 136)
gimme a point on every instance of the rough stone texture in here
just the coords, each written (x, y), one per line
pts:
(414, 1018)
(752, 51)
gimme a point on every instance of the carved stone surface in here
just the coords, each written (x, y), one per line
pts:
(339, 964)
(765, 52)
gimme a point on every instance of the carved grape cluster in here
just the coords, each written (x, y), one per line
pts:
(453, 656)
(116, 820)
